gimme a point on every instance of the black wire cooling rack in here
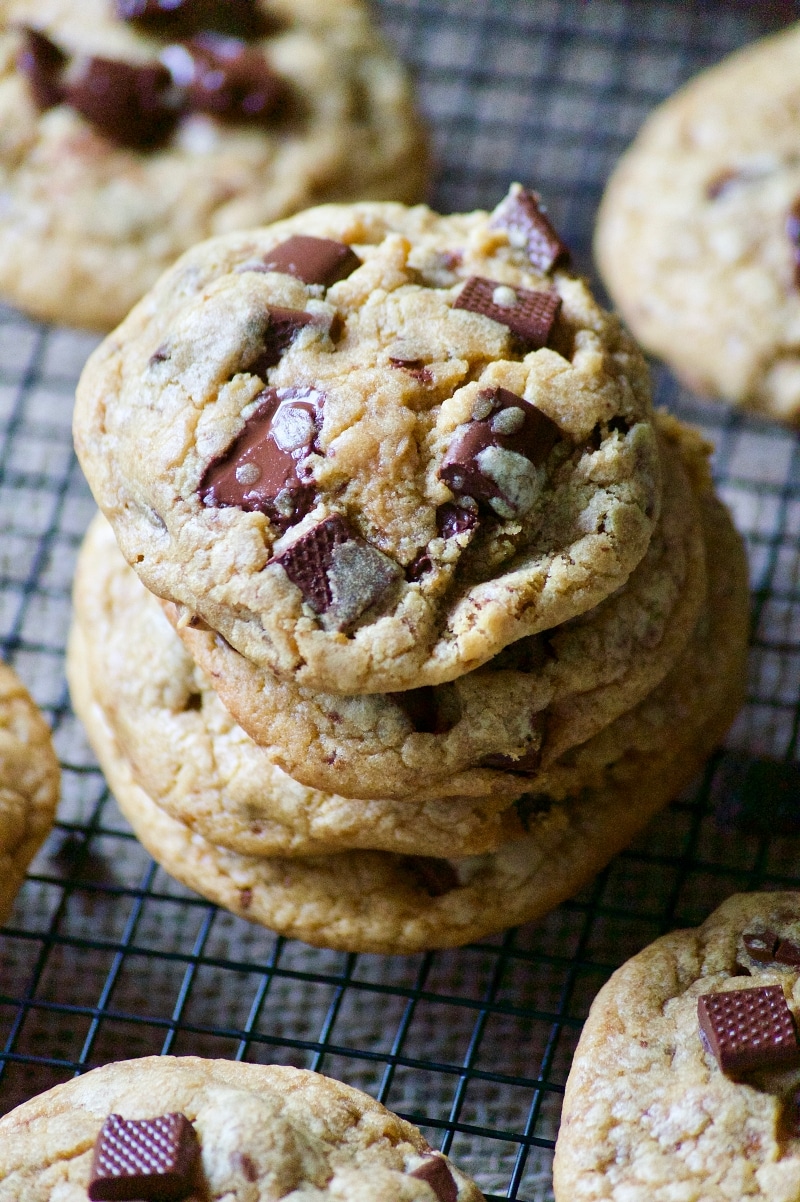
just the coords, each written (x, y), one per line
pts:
(105, 957)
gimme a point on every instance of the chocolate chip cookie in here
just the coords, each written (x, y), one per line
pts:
(371, 446)
(698, 236)
(686, 1080)
(29, 784)
(132, 131)
(184, 1127)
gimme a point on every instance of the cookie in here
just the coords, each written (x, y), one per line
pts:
(376, 901)
(186, 751)
(698, 235)
(520, 712)
(686, 1080)
(127, 141)
(29, 784)
(217, 1129)
(371, 446)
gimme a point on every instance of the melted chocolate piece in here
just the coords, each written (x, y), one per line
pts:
(748, 1029)
(436, 877)
(261, 471)
(434, 1171)
(521, 213)
(131, 105)
(453, 519)
(761, 945)
(283, 325)
(226, 78)
(183, 18)
(529, 316)
(793, 234)
(419, 565)
(313, 260)
(43, 63)
(339, 574)
(495, 458)
(151, 1159)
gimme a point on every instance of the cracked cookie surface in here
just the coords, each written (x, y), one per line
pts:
(698, 235)
(88, 225)
(649, 1112)
(264, 1131)
(376, 486)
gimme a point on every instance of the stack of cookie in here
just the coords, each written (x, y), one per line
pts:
(426, 612)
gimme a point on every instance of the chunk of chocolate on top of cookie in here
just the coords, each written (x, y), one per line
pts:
(523, 215)
(765, 946)
(152, 1160)
(529, 315)
(748, 1029)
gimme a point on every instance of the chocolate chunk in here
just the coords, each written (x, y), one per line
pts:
(757, 796)
(131, 105)
(418, 567)
(339, 574)
(150, 1159)
(497, 457)
(747, 1029)
(787, 952)
(760, 945)
(283, 325)
(225, 78)
(522, 214)
(43, 63)
(182, 18)
(453, 519)
(434, 1171)
(262, 470)
(313, 260)
(415, 368)
(793, 234)
(436, 877)
(529, 316)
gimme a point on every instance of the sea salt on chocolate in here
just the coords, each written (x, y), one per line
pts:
(529, 228)
(313, 260)
(433, 1169)
(530, 316)
(498, 457)
(339, 574)
(748, 1029)
(263, 470)
(148, 1159)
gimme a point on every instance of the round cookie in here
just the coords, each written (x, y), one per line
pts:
(698, 235)
(374, 901)
(477, 735)
(378, 486)
(649, 1111)
(30, 778)
(259, 1131)
(91, 218)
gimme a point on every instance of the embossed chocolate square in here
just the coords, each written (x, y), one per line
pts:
(748, 1029)
(529, 315)
(151, 1160)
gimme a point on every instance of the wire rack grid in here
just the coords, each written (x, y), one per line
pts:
(106, 957)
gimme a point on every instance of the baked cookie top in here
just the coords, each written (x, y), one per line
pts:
(685, 1081)
(698, 235)
(371, 445)
(127, 141)
(29, 783)
(230, 1130)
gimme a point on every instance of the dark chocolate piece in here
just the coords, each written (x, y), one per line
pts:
(528, 315)
(313, 260)
(43, 63)
(414, 367)
(283, 325)
(787, 952)
(756, 796)
(454, 519)
(183, 18)
(131, 105)
(436, 877)
(760, 945)
(434, 1171)
(262, 470)
(339, 574)
(226, 78)
(522, 214)
(495, 457)
(793, 234)
(151, 1159)
(748, 1029)
(420, 564)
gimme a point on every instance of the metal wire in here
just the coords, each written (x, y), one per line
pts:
(106, 957)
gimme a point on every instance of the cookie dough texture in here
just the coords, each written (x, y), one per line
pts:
(693, 237)
(87, 226)
(538, 698)
(648, 1114)
(265, 1131)
(169, 391)
(29, 784)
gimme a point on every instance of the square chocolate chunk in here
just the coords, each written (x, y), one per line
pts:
(530, 316)
(522, 214)
(748, 1029)
(313, 260)
(153, 1160)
